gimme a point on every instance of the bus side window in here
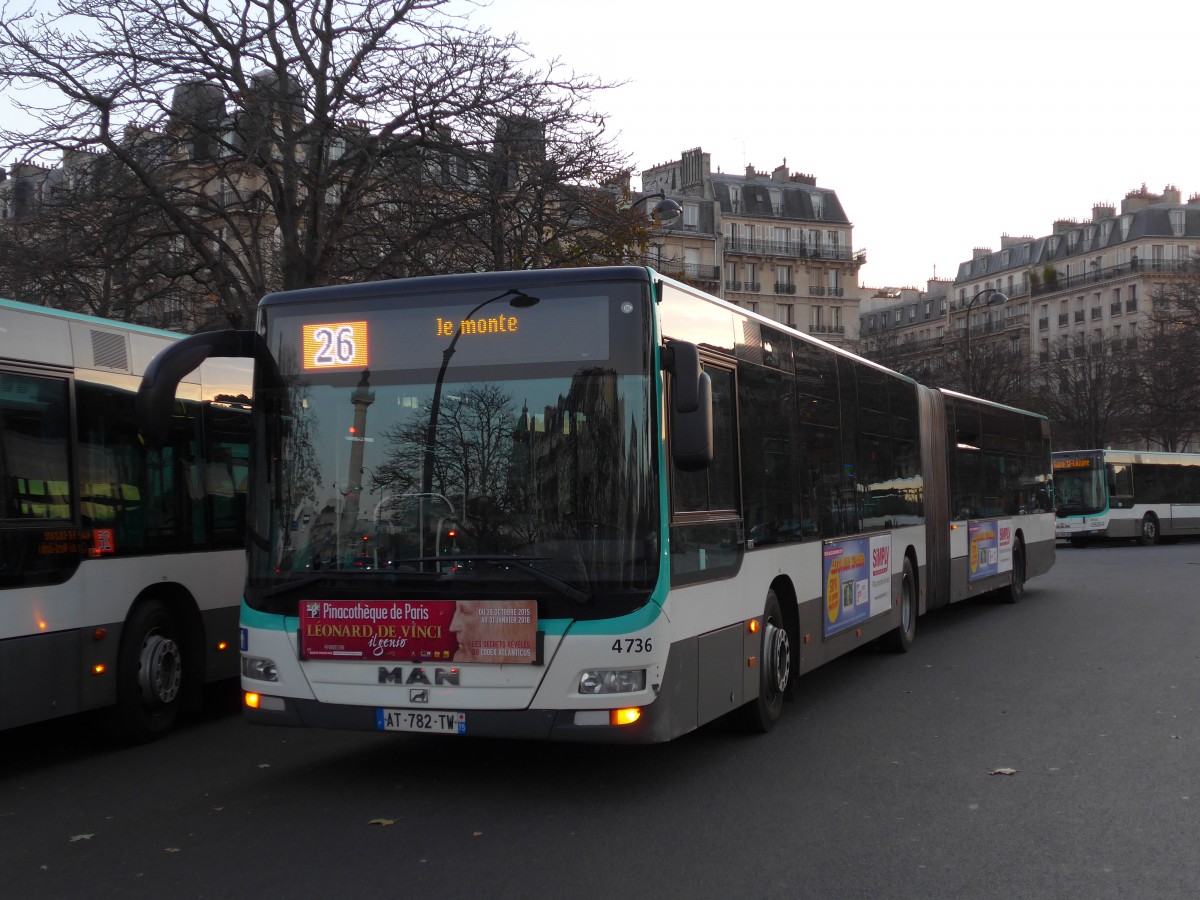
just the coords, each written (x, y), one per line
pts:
(1120, 486)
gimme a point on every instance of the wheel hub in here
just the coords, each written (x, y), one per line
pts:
(778, 658)
(160, 670)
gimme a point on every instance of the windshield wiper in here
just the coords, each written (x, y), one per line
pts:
(521, 564)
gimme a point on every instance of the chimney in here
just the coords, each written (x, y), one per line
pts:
(781, 173)
(1171, 194)
(979, 252)
(1102, 211)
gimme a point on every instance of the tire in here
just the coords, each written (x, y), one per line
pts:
(1016, 588)
(150, 670)
(774, 672)
(1150, 534)
(900, 639)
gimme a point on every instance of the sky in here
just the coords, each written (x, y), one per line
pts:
(941, 124)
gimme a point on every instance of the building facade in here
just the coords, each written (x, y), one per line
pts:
(773, 243)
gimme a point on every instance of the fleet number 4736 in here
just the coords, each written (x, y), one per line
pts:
(632, 645)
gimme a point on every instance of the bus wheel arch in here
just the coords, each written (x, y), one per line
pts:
(900, 639)
(159, 663)
(776, 668)
(1149, 532)
(1016, 586)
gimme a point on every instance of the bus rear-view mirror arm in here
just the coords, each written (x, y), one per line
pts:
(690, 408)
(156, 395)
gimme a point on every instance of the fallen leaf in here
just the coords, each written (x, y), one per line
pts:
(476, 834)
(264, 765)
(1004, 771)
(170, 849)
(82, 837)
(384, 822)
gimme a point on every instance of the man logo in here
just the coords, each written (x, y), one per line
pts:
(418, 675)
(418, 695)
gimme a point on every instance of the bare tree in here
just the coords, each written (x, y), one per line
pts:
(986, 368)
(1084, 390)
(1165, 371)
(276, 137)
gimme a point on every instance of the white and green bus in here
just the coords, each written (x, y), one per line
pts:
(1126, 494)
(594, 504)
(121, 565)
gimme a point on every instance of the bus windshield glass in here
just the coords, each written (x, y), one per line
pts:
(476, 439)
(1079, 486)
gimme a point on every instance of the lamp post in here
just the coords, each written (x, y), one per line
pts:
(520, 300)
(665, 211)
(994, 298)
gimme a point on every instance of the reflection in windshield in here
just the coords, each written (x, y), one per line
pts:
(1079, 491)
(555, 470)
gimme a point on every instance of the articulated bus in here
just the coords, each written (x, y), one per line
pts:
(1128, 494)
(121, 566)
(594, 504)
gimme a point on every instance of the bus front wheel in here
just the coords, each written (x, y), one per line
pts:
(1149, 534)
(774, 672)
(149, 673)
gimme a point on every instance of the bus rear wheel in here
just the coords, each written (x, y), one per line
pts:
(900, 639)
(1016, 588)
(1149, 534)
(774, 672)
(150, 669)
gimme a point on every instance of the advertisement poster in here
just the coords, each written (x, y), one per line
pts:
(492, 631)
(990, 548)
(857, 576)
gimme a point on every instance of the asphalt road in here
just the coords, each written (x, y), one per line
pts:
(1045, 750)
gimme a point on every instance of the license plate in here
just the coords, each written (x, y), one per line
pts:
(428, 722)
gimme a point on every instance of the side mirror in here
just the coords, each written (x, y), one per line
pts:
(156, 395)
(691, 407)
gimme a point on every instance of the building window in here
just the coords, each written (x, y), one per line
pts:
(691, 216)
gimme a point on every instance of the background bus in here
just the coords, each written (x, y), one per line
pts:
(121, 566)
(1126, 494)
(665, 508)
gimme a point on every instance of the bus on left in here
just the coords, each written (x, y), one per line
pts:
(121, 564)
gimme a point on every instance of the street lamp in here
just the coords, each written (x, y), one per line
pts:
(665, 212)
(520, 300)
(994, 298)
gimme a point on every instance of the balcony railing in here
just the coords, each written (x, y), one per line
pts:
(816, 290)
(1079, 315)
(785, 288)
(828, 329)
(794, 250)
(1130, 306)
(693, 271)
(1114, 309)
(1043, 324)
(1106, 273)
(1097, 312)
(1063, 318)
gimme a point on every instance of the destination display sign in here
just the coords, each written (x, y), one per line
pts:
(1072, 463)
(335, 345)
(465, 631)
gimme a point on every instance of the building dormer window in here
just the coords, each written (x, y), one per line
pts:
(1072, 240)
(735, 198)
(1177, 221)
(818, 205)
(1105, 231)
(1126, 223)
(691, 216)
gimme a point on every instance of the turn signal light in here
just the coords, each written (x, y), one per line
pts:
(625, 716)
(753, 626)
(253, 700)
(99, 669)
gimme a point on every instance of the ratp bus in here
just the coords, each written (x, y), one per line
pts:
(1130, 494)
(121, 566)
(594, 504)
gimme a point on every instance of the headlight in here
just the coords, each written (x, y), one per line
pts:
(612, 681)
(259, 669)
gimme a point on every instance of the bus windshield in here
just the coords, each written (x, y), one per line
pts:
(444, 440)
(1079, 487)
